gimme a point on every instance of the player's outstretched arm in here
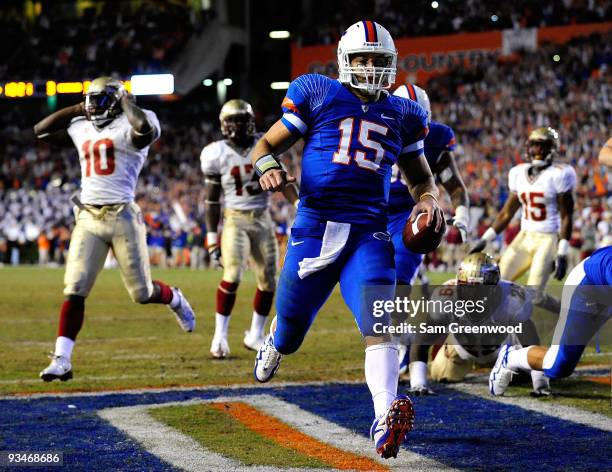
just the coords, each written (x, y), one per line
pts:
(501, 221)
(53, 128)
(272, 175)
(605, 154)
(212, 216)
(422, 187)
(451, 179)
(143, 132)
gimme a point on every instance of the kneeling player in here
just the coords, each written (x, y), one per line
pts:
(506, 304)
(439, 145)
(112, 136)
(586, 307)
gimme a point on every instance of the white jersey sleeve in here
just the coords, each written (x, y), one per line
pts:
(210, 159)
(512, 179)
(565, 181)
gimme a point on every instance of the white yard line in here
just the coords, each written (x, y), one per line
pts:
(556, 410)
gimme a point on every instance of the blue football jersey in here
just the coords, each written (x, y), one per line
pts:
(440, 138)
(598, 267)
(350, 147)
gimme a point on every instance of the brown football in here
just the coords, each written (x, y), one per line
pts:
(420, 238)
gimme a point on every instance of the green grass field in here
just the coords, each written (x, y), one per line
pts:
(126, 345)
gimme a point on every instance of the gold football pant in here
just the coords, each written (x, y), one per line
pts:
(249, 232)
(119, 227)
(447, 366)
(533, 251)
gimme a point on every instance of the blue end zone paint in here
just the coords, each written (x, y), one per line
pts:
(460, 430)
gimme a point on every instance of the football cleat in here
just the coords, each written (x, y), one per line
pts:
(219, 348)
(267, 361)
(421, 390)
(183, 311)
(389, 431)
(500, 376)
(60, 368)
(403, 354)
(252, 343)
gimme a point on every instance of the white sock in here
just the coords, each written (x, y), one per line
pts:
(517, 360)
(175, 299)
(258, 322)
(63, 347)
(418, 373)
(221, 325)
(382, 373)
(539, 380)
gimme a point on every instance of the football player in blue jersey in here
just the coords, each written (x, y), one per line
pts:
(585, 308)
(439, 146)
(354, 131)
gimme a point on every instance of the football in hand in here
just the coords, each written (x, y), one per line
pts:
(420, 238)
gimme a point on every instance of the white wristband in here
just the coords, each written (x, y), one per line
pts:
(418, 374)
(212, 238)
(462, 214)
(296, 203)
(563, 248)
(489, 235)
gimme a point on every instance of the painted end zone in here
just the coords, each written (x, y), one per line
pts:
(457, 429)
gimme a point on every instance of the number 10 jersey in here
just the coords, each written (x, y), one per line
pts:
(110, 163)
(240, 185)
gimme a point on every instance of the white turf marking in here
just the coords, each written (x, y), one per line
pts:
(556, 410)
(183, 452)
(342, 438)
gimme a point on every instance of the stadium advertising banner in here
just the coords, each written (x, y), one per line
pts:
(420, 58)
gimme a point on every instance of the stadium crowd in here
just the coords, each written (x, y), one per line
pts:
(420, 18)
(117, 37)
(492, 107)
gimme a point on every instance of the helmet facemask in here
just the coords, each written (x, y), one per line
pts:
(542, 146)
(102, 101)
(371, 79)
(239, 128)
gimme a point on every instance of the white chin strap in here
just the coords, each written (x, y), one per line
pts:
(539, 162)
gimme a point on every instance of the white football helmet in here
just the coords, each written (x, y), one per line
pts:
(367, 37)
(417, 94)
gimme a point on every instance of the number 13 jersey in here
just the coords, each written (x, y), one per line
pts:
(110, 163)
(538, 195)
(241, 188)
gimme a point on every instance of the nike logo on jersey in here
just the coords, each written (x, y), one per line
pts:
(385, 117)
(296, 243)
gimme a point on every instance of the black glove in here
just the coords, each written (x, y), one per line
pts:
(560, 267)
(215, 256)
(421, 391)
(478, 246)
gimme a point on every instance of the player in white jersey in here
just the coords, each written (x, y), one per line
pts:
(112, 136)
(544, 189)
(495, 303)
(248, 228)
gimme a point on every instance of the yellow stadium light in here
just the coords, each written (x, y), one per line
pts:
(128, 85)
(1, 90)
(29, 89)
(70, 87)
(86, 84)
(15, 89)
(51, 88)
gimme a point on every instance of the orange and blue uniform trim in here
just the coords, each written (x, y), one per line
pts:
(371, 34)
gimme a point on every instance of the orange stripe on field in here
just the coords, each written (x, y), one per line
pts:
(286, 436)
(601, 380)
